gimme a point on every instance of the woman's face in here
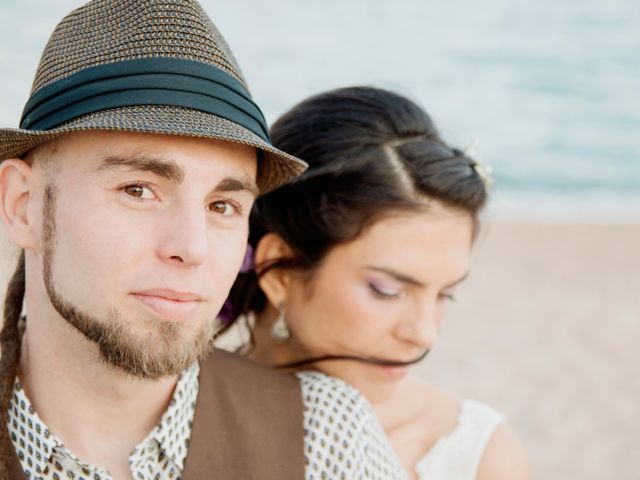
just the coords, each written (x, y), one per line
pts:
(382, 295)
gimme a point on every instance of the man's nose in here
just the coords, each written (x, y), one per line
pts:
(185, 236)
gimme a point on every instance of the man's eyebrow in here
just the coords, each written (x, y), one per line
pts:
(410, 280)
(235, 184)
(158, 166)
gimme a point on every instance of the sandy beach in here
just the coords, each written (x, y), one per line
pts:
(546, 329)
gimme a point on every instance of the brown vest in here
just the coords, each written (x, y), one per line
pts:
(247, 425)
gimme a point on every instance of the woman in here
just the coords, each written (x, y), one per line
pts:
(355, 263)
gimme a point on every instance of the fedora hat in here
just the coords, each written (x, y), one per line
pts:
(153, 66)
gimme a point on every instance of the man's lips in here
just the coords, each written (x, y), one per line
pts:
(170, 294)
(170, 305)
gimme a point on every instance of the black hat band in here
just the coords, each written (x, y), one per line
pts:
(145, 81)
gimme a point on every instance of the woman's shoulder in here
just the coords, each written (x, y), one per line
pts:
(504, 457)
(473, 443)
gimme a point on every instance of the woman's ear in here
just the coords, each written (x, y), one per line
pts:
(14, 200)
(274, 283)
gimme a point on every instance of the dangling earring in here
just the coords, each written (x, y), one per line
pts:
(279, 330)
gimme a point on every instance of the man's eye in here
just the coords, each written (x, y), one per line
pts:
(222, 207)
(139, 191)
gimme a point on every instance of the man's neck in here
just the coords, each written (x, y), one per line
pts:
(100, 413)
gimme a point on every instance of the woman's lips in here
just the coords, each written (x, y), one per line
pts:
(169, 304)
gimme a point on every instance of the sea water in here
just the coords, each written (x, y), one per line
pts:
(548, 90)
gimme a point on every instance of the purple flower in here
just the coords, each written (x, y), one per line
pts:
(249, 262)
(228, 312)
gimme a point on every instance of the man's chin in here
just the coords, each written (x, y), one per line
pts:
(152, 358)
(154, 349)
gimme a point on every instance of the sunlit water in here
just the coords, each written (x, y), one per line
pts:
(550, 89)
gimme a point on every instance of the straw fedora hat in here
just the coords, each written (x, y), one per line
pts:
(155, 66)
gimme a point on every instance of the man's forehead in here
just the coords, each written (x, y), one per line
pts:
(96, 149)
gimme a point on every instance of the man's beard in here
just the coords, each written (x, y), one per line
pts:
(160, 354)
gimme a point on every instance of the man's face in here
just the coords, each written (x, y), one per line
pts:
(142, 238)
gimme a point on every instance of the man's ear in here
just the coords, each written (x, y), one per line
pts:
(14, 200)
(275, 282)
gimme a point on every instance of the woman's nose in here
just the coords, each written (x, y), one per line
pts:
(421, 329)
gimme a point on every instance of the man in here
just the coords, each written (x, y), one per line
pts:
(128, 188)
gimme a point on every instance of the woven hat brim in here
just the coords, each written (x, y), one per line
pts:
(275, 168)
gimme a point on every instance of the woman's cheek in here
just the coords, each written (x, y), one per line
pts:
(362, 312)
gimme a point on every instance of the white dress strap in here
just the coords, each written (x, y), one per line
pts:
(457, 455)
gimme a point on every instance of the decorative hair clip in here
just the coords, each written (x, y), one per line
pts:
(484, 171)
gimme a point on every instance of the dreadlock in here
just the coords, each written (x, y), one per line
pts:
(10, 343)
(12, 327)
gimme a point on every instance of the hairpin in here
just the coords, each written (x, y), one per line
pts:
(484, 171)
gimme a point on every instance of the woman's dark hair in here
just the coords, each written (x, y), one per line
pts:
(370, 152)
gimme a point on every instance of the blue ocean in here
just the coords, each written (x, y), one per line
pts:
(547, 91)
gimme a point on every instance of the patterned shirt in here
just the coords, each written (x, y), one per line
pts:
(343, 439)
(160, 455)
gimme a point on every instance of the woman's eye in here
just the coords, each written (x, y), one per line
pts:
(222, 207)
(448, 296)
(382, 291)
(139, 191)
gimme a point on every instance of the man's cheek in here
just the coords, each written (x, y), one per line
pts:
(226, 261)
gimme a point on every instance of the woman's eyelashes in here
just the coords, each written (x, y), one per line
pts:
(383, 290)
(448, 295)
(387, 291)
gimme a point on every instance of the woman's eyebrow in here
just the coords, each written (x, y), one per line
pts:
(164, 168)
(401, 277)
